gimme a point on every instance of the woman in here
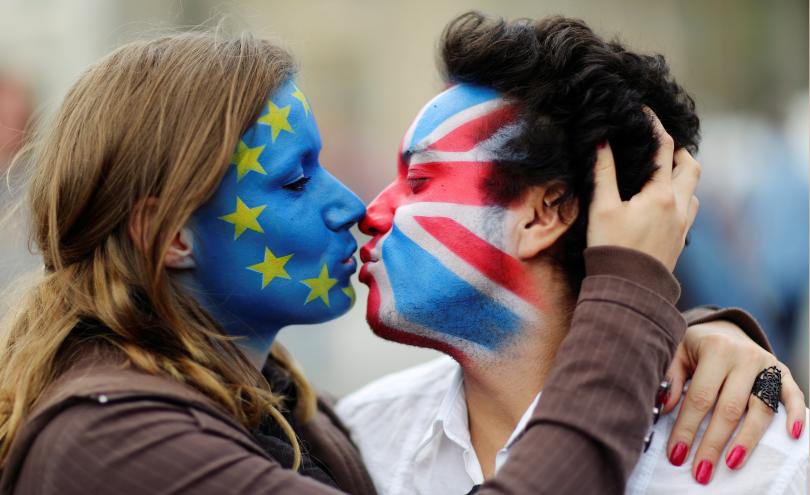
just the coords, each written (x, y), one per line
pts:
(134, 364)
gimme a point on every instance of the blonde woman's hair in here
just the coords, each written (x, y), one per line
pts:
(154, 119)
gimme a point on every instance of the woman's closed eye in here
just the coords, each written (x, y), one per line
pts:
(298, 185)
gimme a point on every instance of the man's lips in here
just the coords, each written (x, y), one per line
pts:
(367, 252)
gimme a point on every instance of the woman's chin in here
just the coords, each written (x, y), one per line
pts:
(336, 309)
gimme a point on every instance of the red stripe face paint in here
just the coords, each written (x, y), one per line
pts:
(441, 266)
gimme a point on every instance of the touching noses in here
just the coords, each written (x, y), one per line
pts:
(380, 212)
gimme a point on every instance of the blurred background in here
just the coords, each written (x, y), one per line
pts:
(368, 66)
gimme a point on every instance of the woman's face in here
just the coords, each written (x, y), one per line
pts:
(272, 247)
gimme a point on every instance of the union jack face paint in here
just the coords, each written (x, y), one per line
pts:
(441, 267)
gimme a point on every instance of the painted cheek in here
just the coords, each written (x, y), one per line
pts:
(483, 255)
(443, 296)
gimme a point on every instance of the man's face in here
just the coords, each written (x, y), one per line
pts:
(441, 267)
(272, 246)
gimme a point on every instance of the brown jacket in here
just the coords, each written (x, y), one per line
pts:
(102, 429)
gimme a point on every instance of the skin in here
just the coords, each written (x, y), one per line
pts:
(659, 215)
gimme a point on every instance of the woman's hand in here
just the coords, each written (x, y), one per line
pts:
(654, 221)
(722, 360)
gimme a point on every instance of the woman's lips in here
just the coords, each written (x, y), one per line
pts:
(349, 258)
(368, 255)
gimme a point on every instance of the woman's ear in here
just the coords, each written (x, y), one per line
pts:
(180, 252)
(543, 219)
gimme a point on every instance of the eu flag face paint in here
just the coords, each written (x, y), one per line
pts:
(272, 246)
(440, 268)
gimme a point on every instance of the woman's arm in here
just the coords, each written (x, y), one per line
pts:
(150, 447)
(588, 429)
(623, 334)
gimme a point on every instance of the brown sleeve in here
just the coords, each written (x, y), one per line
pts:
(588, 429)
(148, 447)
(738, 316)
(584, 437)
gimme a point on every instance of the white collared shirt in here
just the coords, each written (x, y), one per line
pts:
(411, 428)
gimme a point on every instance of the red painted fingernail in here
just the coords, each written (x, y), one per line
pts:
(662, 397)
(736, 457)
(601, 144)
(678, 454)
(704, 472)
(797, 429)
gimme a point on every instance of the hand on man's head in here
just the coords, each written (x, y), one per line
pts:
(654, 221)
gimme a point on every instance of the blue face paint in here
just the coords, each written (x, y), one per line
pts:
(455, 307)
(272, 246)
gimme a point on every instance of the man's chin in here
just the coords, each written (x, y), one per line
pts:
(406, 337)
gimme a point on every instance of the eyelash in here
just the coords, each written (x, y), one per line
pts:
(298, 185)
(416, 183)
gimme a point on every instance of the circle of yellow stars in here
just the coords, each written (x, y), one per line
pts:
(244, 217)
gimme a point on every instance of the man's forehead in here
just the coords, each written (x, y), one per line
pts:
(465, 123)
(449, 109)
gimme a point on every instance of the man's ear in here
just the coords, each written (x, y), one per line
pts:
(543, 219)
(180, 252)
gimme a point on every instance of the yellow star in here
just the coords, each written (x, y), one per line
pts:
(303, 99)
(276, 118)
(244, 218)
(247, 159)
(349, 291)
(271, 267)
(319, 287)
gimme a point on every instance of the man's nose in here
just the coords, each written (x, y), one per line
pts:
(380, 213)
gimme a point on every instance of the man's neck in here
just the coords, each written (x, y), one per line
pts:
(499, 389)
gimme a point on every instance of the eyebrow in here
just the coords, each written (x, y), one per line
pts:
(406, 155)
(419, 150)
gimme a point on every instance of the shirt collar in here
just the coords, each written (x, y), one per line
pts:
(449, 432)
(451, 415)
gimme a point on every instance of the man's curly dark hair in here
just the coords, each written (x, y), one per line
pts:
(573, 91)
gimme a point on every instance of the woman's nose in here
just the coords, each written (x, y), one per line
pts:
(345, 211)
(380, 213)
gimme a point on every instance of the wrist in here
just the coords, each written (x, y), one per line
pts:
(634, 266)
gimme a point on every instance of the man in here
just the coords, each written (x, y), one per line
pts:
(477, 251)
